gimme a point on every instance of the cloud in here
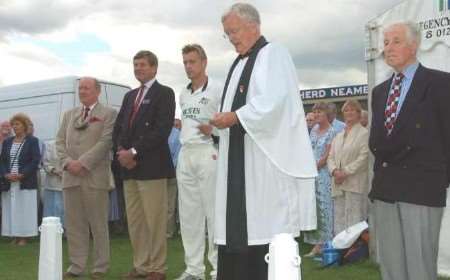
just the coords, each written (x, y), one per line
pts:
(26, 62)
(33, 17)
(325, 38)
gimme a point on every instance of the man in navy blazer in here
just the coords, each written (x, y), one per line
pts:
(140, 138)
(410, 139)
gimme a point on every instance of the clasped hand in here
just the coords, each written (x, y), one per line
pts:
(339, 176)
(14, 177)
(76, 168)
(126, 159)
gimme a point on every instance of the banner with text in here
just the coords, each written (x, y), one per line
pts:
(334, 92)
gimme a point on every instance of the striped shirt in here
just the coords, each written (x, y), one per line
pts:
(14, 156)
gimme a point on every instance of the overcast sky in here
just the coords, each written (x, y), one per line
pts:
(41, 39)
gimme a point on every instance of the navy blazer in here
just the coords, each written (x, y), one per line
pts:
(412, 164)
(148, 133)
(29, 159)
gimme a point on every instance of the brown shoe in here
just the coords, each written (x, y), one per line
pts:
(97, 275)
(70, 275)
(134, 274)
(22, 242)
(156, 276)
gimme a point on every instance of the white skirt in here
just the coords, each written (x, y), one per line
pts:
(19, 212)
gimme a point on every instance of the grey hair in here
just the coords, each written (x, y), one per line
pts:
(332, 107)
(244, 11)
(412, 31)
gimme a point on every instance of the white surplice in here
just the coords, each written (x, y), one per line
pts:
(279, 163)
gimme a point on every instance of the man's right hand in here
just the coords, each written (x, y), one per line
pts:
(130, 165)
(126, 158)
(75, 167)
(339, 176)
(206, 129)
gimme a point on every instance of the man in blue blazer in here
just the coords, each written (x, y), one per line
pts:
(410, 139)
(140, 139)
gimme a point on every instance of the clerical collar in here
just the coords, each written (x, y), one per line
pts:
(189, 86)
(257, 44)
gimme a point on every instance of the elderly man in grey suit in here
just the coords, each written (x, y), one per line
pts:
(84, 144)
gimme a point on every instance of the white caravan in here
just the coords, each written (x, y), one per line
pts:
(46, 101)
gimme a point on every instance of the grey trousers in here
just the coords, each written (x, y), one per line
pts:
(349, 208)
(408, 240)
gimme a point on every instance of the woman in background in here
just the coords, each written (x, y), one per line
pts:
(19, 162)
(348, 164)
(53, 199)
(321, 136)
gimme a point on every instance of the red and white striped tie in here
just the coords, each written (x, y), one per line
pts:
(137, 103)
(390, 113)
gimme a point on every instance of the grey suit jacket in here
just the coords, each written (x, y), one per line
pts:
(90, 142)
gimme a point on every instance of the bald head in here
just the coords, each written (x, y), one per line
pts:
(88, 90)
(310, 119)
(5, 129)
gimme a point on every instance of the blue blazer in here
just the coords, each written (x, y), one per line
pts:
(412, 164)
(148, 133)
(29, 159)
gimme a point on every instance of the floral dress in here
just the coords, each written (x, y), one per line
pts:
(324, 202)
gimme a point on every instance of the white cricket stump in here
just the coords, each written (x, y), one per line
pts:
(283, 258)
(50, 255)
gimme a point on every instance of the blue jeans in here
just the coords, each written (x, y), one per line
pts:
(54, 204)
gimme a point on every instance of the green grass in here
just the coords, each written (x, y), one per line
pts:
(22, 262)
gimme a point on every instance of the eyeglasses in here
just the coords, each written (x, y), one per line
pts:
(231, 33)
